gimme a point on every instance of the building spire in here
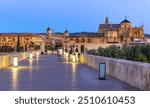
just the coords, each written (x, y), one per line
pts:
(111, 27)
(107, 20)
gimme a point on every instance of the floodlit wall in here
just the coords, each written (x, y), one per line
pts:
(7, 60)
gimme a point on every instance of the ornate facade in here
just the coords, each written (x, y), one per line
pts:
(124, 29)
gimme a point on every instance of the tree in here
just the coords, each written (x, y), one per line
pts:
(136, 53)
(31, 45)
(18, 44)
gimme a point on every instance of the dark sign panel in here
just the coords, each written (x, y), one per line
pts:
(102, 71)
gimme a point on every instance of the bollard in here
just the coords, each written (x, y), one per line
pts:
(102, 71)
(31, 56)
(74, 58)
(15, 61)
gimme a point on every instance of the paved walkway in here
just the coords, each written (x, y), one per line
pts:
(47, 74)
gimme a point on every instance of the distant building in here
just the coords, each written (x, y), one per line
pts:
(108, 34)
(27, 40)
(123, 29)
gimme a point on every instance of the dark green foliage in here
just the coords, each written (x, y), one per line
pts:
(136, 53)
(6, 48)
(66, 50)
(77, 50)
(18, 49)
(37, 47)
(92, 52)
(147, 52)
(141, 57)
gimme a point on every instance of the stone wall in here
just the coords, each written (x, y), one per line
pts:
(136, 74)
(7, 60)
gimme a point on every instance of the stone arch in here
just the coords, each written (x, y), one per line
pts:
(89, 40)
(82, 40)
(77, 40)
(71, 39)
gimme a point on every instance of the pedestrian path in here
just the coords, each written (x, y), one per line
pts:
(46, 73)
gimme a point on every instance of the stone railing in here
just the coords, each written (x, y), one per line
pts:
(7, 60)
(136, 74)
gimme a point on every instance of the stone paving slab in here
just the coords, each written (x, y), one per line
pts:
(46, 73)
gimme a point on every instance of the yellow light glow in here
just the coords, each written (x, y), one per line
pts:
(24, 56)
(15, 61)
(82, 58)
(4, 60)
(14, 78)
(64, 53)
(77, 57)
(37, 54)
(74, 67)
(67, 55)
(74, 58)
(31, 56)
(74, 75)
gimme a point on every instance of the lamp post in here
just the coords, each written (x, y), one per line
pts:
(31, 56)
(74, 58)
(67, 55)
(15, 61)
(37, 54)
(77, 56)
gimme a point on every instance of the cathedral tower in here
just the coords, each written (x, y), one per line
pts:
(125, 24)
(66, 33)
(49, 33)
(106, 20)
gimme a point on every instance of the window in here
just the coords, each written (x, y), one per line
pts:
(89, 41)
(82, 40)
(71, 39)
(77, 40)
(4, 39)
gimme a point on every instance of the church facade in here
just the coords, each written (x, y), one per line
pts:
(123, 29)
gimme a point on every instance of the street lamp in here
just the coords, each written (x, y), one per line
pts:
(77, 56)
(37, 54)
(74, 58)
(31, 56)
(15, 61)
(67, 55)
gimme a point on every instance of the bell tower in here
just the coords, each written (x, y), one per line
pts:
(49, 33)
(106, 20)
(66, 33)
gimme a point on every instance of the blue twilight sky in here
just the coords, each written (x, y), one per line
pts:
(75, 15)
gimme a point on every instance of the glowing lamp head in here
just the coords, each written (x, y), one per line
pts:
(67, 55)
(77, 56)
(37, 53)
(74, 58)
(31, 56)
(15, 61)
